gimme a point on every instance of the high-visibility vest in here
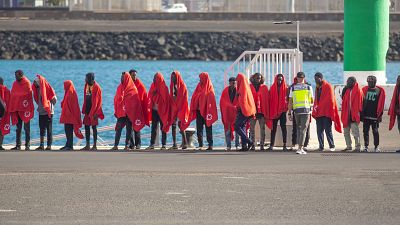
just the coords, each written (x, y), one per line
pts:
(302, 98)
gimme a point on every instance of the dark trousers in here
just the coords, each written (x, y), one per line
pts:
(324, 124)
(200, 124)
(135, 139)
(294, 134)
(121, 122)
(375, 131)
(282, 122)
(154, 126)
(87, 135)
(174, 126)
(69, 132)
(27, 128)
(398, 122)
(46, 125)
(240, 128)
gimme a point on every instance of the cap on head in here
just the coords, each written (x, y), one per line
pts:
(232, 79)
(132, 71)
(301, 75)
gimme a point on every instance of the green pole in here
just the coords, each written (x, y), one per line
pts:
(366, 39)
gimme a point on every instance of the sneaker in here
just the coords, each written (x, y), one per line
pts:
(163, 147)
(16, 148)
(115, 148)
(332, 149)
(184, 147)
(377, 149)
(358, 149)
(86, 148)
(347, 149)
(270, 148)
(40, 148)
(305, 149)
(94, 148)
(151, 147)
(237, 148)
(366, 149)
(65, 148)
(137, 147)
(252, 148)
(285, 149)
(227, 148)
(321, 149)
(127, 148)
(210, 148)
(301, 152)
(27, 148)
(173, 147)
(48, 148)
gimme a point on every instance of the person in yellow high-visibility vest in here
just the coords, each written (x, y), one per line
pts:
(301, 100)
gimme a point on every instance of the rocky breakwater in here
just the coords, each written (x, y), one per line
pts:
(177, 46)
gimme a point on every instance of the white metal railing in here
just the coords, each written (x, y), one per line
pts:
(268, 62)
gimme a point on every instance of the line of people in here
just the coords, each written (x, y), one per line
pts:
(242, 105)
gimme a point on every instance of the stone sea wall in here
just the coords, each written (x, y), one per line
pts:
(177, 46)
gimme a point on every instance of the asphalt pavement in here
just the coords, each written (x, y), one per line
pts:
(199, 188)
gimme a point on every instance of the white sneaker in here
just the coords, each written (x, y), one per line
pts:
(301, 152)
(332, 149)
(237, 148)
(377, 149)
(305, 148)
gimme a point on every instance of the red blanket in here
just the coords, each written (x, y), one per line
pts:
(392, 109)
(245, 96)
(46, 91)
(158, 94)
(21, 101)
(261, 99)
(278, 102)
(327, 106)
(97, 102)
(143, 99)
(70, 113)
(356, 102)
(119, 108)
(381, 100)
(181, 101)
(131, 103)
(228, 111)
(203, 99)
(5, 120)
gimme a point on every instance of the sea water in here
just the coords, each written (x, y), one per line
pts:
(108, 75)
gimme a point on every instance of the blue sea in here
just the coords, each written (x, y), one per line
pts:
(108, 76)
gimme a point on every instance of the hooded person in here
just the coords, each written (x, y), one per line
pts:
(203, 108)
(162, 109)
(136, 141)
(45, 98)
(227, 105)
(127, 110)
(278, 107)
(179, 94)
(394, 109)
(246, 108)
(4, 114)
(352, 103)
(70, 115)
(325, 111)
(92, 109)
(372, 112)
(261, 99)
(21, 108)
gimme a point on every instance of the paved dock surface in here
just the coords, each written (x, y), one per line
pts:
(199, 188)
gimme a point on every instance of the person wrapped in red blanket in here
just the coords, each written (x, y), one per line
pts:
(352, 103)
(278, 107)
(371, 115)
(4, 112)
(92, 109)
(325, 111)
(136, 141)
(179, 94)
(228, 104)
(394, 110)
(203, 108)
(70, 115)
(246, 108)
(127, 110)
(21, 108)
(162, 108)
(45, 98)
(261, 100)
